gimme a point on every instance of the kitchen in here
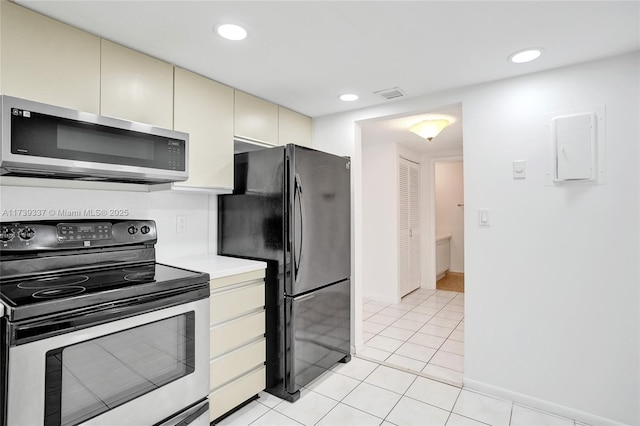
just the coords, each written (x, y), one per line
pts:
(612, 255)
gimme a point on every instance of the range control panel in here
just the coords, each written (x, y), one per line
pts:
(54, 235)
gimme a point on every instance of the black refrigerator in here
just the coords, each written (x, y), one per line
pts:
(291, 208)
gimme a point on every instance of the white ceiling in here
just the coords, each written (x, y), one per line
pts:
(395, 130)
(302, 54)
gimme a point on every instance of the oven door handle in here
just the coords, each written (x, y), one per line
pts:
(189, 415)
(45, 328)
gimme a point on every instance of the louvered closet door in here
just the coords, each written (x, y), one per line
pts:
(409, 226)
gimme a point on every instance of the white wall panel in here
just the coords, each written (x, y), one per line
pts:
(552, 294)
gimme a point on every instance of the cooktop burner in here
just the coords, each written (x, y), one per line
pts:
(140, 276)
(56, 281)
(57, 293)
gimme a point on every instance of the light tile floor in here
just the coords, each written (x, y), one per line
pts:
(422, 336)
(364, 392)
(422, 333)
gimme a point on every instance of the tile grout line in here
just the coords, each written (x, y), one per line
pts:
(417, 331)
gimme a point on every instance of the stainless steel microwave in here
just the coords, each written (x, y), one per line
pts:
(46, 141)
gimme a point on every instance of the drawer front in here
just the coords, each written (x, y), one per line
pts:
(235, 302)
(235, 393)
(230, 335)
(230, 280)
(236, 363)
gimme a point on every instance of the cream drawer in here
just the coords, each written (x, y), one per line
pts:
(236, 363)
(235, 393)
(237, 301)
(232, 334)
(231, 280)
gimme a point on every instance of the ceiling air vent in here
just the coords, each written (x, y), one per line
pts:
(392, 93)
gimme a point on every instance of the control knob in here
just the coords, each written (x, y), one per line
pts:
(132, 230)
(26, 233)
(6, 234)
(145, 229)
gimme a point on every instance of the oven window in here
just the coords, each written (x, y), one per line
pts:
(95, 376)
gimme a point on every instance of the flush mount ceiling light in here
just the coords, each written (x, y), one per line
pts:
(348, 97)
(527, 55)
(231, 32)
(429, 129)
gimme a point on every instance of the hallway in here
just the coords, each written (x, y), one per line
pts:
(424, 333)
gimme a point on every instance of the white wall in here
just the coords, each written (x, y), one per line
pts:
(552, 287)
(379, 222)
(163, 207)
(380, 218)
(449, 192)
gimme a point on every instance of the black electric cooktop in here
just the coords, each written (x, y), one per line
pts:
(45, 294)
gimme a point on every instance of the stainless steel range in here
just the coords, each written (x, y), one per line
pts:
(95, 332)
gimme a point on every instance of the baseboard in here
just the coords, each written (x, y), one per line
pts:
(381, 298)
(539, 404)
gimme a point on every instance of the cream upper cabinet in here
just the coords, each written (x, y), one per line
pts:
(204, 109)
(293, 127)
(47, 61)
(255, 119)
(135, 87)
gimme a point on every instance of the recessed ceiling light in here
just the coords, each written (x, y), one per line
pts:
(348, 97)
(526, 55)
(232, 32)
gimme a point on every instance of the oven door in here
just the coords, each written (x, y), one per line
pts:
(140, 370)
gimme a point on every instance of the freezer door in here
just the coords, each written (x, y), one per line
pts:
(317, 333)
(319, 230)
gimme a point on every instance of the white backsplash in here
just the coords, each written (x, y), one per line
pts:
(199, 210)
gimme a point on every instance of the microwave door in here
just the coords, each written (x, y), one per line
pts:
(41, 140)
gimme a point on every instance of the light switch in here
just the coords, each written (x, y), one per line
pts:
(519, 169)
(483, 217)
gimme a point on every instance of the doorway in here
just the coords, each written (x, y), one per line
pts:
(448, 188)
(422, 331)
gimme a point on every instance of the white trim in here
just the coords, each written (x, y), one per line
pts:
(539, 404)
(357, 342)
(383, 298)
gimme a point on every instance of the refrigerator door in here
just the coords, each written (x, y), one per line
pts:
(318, 333)
(251, 226)
(319, 232)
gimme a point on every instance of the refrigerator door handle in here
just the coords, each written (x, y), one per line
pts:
(304, 297)
(297, 196)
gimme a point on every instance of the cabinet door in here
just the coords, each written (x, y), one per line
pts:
(293, 127)
(135, 87)
(255, 119)
(204, 109)
(47, 61)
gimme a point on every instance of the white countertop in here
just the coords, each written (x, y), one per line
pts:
(216, 266)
